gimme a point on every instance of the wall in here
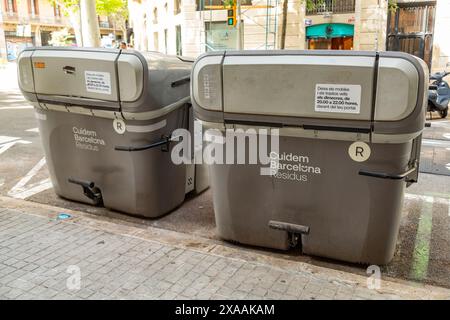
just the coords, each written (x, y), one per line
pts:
(441, 40)
(370, 24)
(192, 24)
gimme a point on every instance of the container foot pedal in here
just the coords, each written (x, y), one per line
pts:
(294, 230)
(89, 190)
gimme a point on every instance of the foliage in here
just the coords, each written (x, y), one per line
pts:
(392, 5)
(228, 3)
(112, 8)
(313, 4)
(61, 38)
(67, 6)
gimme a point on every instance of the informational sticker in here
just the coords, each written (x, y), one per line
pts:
(341, 98)
(119, 126)
(359, 151)
(98, 82)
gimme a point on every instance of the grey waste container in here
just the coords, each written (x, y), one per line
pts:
(350, 128)
(106, 119)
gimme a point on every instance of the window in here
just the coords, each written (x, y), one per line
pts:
(205, 4)
(155, 16)
(11, 6)
(177, 7)
(179, 43)
(410, 29)
(165, 41)
(334, 6)
(57, 10)
(155, 41)
(33, 7)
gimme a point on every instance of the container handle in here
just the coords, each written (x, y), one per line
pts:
(164, 143)
(180, 81)
(391, 176)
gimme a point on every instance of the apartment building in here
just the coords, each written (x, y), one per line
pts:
(191, 27)
(30, 23)
(26, 23)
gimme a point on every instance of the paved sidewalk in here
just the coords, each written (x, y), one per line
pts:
(42, 257)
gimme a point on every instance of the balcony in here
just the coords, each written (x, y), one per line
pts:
(34, 20)
(202, 5)
(331, 6)
(105, 25)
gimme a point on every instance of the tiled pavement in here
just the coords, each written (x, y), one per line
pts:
(40, 258)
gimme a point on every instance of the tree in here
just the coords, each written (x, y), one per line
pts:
(61, 38)
(117, 10)
(83, 16)
(71, 9)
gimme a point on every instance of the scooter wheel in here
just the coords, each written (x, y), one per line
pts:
(444, 113)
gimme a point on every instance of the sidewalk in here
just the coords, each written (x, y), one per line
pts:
(42, 257)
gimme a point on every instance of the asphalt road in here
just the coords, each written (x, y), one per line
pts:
(423, 250)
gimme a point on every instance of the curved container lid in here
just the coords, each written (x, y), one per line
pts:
(355, 91)
(107, 79)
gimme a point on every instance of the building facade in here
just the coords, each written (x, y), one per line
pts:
(191, 27)
(30, 23)
(26, 23)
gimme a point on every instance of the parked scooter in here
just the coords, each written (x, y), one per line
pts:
(439, 94)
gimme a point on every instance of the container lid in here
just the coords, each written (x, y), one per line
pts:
(99, 78)
(358, 91)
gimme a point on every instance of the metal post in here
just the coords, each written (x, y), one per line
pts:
(238, 25)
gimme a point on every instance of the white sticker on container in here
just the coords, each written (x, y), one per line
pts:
(119, 126)
(98, 82)
(359, 151)
(341, 98)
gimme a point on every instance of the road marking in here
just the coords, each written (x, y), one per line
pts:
(6, 146)
(449, 207)
(436, 143)
(33, 130)
(21, 191)
(34, 189)
(6, 139)
(7, 142)
(16, 108)
(421, 254)
(428, 199)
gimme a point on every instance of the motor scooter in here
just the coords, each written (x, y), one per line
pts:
(438, 94)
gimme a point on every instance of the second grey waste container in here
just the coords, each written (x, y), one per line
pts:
(106, 119)
(350, 128)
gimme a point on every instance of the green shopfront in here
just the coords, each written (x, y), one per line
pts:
(330, 36)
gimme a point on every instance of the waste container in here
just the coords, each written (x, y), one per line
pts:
(106, 119)
(349, 126)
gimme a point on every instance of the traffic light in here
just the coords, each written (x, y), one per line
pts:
(231, 15)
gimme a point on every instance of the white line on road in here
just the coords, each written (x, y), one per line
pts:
(6, 146)
(33, 130)
(15, 108)
(7, 142)
(21, 191)
(19, 186)
(6, 139)
(436, 143)
(39, 187)
(430, 199)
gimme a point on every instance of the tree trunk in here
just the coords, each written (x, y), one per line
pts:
(89, 24)
(284, 25)
(74, 18)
